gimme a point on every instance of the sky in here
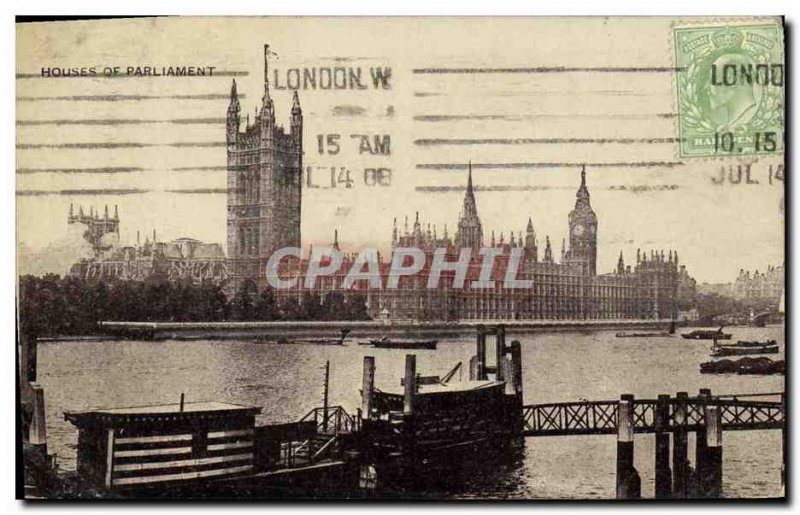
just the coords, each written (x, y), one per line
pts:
(552, 95)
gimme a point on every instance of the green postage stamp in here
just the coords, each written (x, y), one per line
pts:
(730, 89)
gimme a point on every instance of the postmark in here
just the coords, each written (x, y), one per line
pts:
(730, 83)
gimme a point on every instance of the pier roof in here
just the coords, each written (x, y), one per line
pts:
(210, 409)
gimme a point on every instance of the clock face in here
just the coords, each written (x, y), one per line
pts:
(578, 230)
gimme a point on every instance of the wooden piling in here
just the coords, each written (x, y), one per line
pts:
(325, 395)
(516, 362)
(680, 444)
(499, 350)
(662, 468)
(410, 385)
(409, 440)
(367, 387)
(37, 433)
(710, 474)
(783, 442)
(700, 441)
(508, 373)
(628, 481)
(481, 353)
(473, 368)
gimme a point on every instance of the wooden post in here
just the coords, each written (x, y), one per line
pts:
(410, 385)
(783, 443)
(481, 353)
(508, 373)
(181, 402)
(499, 350)
(516, 363)
(37, 433)
(710, 475)
(325, 396)
(680, 462)
(628, 481)
(367, 387)
(409, 391)
(700, 442)
(663, 471)
(473, 368)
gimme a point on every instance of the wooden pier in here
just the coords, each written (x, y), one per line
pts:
(706, 415)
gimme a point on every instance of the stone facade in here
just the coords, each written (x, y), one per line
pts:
(565, 290)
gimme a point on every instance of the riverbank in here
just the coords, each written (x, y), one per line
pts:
(332, 329)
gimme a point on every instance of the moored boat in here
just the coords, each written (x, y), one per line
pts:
(734, 350)
(707, 334)
(761, 366)
(661, 334)
(387, 343)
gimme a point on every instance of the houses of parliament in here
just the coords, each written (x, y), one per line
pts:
(264, 183)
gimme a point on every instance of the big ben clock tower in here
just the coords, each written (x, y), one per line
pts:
(583, 232)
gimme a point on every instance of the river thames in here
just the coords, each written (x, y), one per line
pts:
(287, 381)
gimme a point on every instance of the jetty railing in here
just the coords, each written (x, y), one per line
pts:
(600, 417)
(332, 420)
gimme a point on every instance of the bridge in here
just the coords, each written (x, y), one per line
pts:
(688, 414)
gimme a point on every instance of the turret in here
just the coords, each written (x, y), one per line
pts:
(233, 116)
(548, 251)
(105, 212)
(531, 251)
(620, 264)
(116, 212)
(394, 233)
(336, 239)
(296, 124)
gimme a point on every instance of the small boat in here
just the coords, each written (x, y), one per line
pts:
(706, 334)
(744, 343)
(386, 343)
(735, 350)
(643, 335)
(316, 341)
(759, 366)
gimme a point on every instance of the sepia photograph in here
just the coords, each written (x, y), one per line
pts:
(401, 258)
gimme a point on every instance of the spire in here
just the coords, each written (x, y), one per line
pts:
(530, 225)
(583, 191)
(520, 240)
(296, 103)
(548, 251)
(71, 210)
(494, 243)
(513, 242)
(234, 94)
(80, 211)
(116, 212)
(336, 239)
(563, 248)
(620, 264)
(154, 235)
(105, 212)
